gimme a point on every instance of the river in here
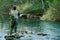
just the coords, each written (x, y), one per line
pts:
(35, 26)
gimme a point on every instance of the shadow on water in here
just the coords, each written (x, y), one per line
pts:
(36, 26)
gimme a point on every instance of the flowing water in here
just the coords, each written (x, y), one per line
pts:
(36, 26)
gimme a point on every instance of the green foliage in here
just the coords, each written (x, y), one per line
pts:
(51, 7)
(53, 13)
(48, 15)
(24, 5)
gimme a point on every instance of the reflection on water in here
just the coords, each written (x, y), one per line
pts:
(51, 28)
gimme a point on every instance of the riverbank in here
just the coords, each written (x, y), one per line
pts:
(58, 20)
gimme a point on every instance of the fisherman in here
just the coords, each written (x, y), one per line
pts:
(14, 14)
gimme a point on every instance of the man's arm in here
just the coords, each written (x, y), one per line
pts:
(18, 13)
(10, 13)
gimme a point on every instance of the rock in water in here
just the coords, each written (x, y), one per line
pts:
(42, 34)
(13, 36)
(9, 38)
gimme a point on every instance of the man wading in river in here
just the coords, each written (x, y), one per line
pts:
(14, 19)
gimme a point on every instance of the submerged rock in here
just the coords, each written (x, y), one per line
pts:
(42, 34)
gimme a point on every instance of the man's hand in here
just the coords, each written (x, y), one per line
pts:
(10, 14)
